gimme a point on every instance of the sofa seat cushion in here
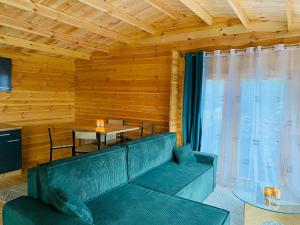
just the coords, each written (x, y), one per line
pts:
(199, 189)
(170, 177)
(134, 205)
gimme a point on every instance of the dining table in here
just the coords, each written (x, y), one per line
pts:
(105, 130)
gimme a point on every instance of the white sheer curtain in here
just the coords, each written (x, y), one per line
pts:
(251, 114)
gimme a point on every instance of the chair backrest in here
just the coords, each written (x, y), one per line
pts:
(59, 135)
(115, 121)
(50, 137)
(62, 140)
(85, 135)
(147, 129)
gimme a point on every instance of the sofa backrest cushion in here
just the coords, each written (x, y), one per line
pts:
(147, 153)
(86, 176)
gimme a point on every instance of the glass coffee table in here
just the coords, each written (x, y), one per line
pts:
(268, 211)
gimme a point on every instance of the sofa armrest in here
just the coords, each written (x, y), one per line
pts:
(29, 211)
(210, 159)
(206, 158)
(32, 183)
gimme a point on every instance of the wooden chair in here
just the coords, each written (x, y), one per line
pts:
(52, 147)
(85, 148)
(112, 139)
(116, 121)
(147, 129)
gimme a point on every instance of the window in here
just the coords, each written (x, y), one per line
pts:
(212, 116)
(260, 110)
(260, 118)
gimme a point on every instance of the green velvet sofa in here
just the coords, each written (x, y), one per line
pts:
(139, 183)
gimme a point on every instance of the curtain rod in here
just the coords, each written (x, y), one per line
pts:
(272, 47)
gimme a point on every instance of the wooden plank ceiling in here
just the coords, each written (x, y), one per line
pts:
(77, 28)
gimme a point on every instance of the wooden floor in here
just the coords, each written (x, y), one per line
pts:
(256, 216)
(9, 181)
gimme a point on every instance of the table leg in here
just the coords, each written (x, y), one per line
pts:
(73, 143)
(122, 137)
(98, 136)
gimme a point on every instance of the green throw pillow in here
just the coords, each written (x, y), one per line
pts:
(69, 205)
(184, 154)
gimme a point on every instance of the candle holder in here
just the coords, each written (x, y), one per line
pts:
(272, 196)
(267, 201)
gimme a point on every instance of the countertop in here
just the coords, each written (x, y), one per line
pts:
(6, 127)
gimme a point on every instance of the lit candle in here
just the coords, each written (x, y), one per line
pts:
(276, 193)
(100, 123)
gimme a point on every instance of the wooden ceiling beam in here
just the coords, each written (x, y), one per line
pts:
(240, 12)
(214, 31)
(289, 15)
(62, 17)
(23, 25)
(9, 40)
(194, 6)
(239, 41)
(119, 14)
(163, 7)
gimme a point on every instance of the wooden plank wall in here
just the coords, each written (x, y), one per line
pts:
(42, 95)
(134, 87)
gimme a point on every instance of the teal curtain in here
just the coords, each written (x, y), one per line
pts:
(191, 118)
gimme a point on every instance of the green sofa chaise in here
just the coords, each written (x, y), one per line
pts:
(139, 183)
